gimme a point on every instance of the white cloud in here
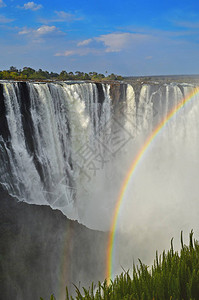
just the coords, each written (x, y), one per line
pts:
(62, 16)
(41, 32)
(116, 42)
(85, 42)
(187, 24)
(31, 6)
(2, 4)
(79, 52)
(44, 29)
(113, 42)
(4, 20)
(25, 31)
(66, 53)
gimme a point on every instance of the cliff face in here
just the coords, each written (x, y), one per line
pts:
(45, 131)
(41, 251)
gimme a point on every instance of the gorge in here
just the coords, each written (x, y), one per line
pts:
(65, 148)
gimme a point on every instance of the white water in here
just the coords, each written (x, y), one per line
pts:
(65, 119)
(84, 149)
(162, 196)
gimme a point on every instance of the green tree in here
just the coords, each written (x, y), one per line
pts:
(28, 71)
(6, 75)
(54, 75)
(79, 75)
(13, 69)
(64, 75)
(112, 77)
(86, 77)
(120, 78)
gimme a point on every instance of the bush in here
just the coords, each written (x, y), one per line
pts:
(172, 276)
(28, 73)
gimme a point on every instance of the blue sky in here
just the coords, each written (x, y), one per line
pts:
(124, 37)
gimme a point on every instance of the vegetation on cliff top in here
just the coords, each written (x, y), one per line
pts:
(173, 276)
(28, 73)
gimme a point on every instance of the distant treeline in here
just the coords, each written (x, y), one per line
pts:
(28, 73)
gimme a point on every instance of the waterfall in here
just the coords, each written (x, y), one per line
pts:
(58, 140)
(47, 127)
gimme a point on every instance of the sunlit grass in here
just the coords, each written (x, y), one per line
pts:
(173, 276)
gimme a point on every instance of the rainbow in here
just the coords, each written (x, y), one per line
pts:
(160, 126)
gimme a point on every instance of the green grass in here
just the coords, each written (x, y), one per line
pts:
(173, 276)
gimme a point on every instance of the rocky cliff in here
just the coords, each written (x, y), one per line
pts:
(41, 251)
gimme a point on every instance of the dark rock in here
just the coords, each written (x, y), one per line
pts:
(41, 251)
(100, 93)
